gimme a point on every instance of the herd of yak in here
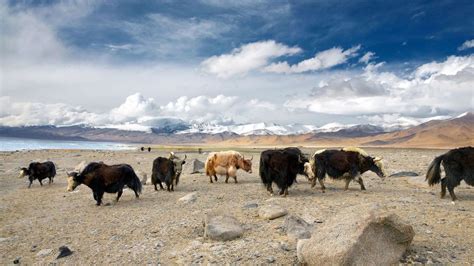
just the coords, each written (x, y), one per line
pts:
(279, 166)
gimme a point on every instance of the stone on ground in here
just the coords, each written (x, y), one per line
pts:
(272, 211)
(358, 235)
(222, 227)
(404, 173)
(198, 166)
(296, 227)
(189, 198)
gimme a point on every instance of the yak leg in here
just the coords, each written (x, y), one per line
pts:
(156, 189)
(235, 179)
(443, 187)
(269, 188)
(31, 182)
(347, 184)
(210, 179)
(119, 194)
(361, 182)
(41, 183)
(285, 193)
(451, 193)
(227, 177)
(215, 177)
(98, 198)
(161, 186)
(313, 182)
(172, 186)
(321, 182)
(282, 191)
(50, 180)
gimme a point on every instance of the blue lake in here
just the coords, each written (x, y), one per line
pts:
(13, 144)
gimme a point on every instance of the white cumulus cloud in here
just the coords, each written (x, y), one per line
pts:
(322, 60)
(367, 57)
(466, 45)
(435, 88)
(248, 57)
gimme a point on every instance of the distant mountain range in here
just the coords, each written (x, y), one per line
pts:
(436, 133)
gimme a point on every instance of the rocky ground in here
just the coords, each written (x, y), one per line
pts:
(159, 228)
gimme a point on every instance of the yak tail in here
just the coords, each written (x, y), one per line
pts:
(433, 176)
(54, 171)
(135, 184)
(263, 171)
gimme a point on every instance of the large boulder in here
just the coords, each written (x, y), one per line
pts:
(358, 235)
(222, 227)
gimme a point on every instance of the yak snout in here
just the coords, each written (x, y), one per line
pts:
(308, 171)
(71, 182)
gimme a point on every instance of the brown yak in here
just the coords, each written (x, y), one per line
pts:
(226, 163)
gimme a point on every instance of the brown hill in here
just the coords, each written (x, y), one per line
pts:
(450, 133)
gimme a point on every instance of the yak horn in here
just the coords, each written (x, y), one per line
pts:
(376, 159)
(185, 157)
(251, 158)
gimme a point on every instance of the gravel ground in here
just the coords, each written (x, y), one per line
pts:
(157, 228)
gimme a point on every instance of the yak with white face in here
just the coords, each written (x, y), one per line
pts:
(348, 164)
(39, 171)
(226, 163)
(167, 170)
(103, 178)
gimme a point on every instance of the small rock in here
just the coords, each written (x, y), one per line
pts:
(159, 244)
(17, 260)
(222, 227)
(64, 251)
(284, 246)
(189, 198)
(33, 248)
(404, 173)
(296, 227)
(250, 206)
(44, 252)
(272, 211)
(271, 259)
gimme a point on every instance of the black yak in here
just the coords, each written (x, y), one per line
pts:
(39, 171)
(167, 170)
(104, 178)
(349, 164)
(458, 165)
(281, 167)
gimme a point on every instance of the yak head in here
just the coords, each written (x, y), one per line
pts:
(24, 172)
(178, 165)
(72, 181)
(377, 166)
(247, 164)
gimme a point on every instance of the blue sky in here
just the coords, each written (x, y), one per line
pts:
(310, 62)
